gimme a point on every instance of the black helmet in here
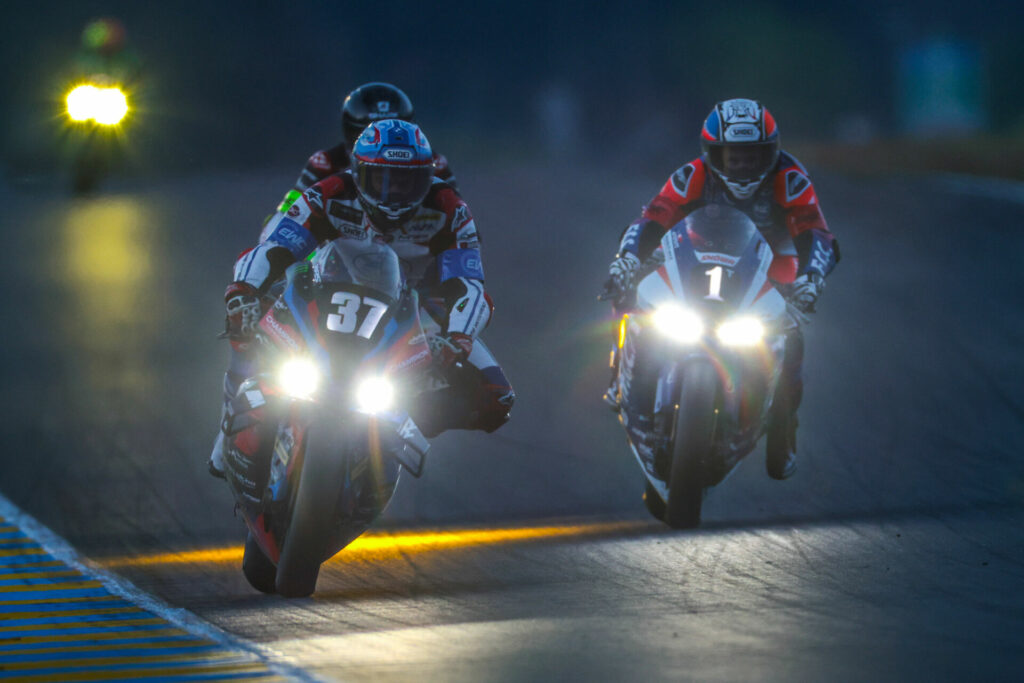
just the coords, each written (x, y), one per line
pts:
(372, 102)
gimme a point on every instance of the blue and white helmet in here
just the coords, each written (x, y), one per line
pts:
(393, 169)
(741, 144)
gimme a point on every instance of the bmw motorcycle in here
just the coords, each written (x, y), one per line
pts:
(315, 442)
(700, 356)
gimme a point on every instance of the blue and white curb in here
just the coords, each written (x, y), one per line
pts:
(62, 620)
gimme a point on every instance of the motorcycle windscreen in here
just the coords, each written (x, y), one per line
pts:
(368, 264)
(719, 258)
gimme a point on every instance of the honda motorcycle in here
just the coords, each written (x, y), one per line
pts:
(315, 442)
(700, 356)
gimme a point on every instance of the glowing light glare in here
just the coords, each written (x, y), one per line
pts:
(678, 323)
(106, 106)
(375, 395)
(299, 377)
(82, 102)
(111, 106)
(377, 544)
(746, 331)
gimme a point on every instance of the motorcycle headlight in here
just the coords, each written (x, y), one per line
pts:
(744, 331)
(678, 323)
(299, 378)
(375, 395)
(111, 106)
(82, 102)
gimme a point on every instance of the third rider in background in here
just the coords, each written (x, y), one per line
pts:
(742, 166)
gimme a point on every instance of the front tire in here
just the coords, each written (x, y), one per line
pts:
(692, 443)
(314, 512)
(259, 571)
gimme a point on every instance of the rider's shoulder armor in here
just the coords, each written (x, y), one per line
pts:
(790, 184)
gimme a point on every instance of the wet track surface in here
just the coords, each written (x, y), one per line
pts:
(895, 553)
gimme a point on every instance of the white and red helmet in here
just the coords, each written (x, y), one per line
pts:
(740, 142)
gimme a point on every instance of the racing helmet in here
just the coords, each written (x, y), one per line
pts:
(105, 36)
(372, 102)
(393, 167)
(740, 142)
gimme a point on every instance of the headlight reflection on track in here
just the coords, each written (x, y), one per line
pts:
(388, 545)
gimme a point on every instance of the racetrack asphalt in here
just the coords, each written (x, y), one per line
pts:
(895, 553)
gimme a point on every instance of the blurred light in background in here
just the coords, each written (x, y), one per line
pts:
(112, 301)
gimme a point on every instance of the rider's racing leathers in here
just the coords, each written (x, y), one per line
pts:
(785, 209)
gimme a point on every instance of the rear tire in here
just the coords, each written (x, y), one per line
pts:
(259, 571)
(314, 513)
(692, 443)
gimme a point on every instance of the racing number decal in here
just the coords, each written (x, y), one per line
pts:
(347, 317)
(715, 286)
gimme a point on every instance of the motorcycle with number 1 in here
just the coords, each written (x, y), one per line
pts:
(700, 356)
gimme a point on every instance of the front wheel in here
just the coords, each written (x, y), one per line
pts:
(259, 571)
(314, 512)
(692, 443)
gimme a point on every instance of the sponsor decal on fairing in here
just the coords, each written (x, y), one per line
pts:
(714, 257)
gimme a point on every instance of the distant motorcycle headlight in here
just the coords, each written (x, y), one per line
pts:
(82, 102)
(375, 395)
(745, 331)
(111, 106)
(678, 323)
(299, 378)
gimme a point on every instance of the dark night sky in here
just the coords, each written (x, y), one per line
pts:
(231, 84)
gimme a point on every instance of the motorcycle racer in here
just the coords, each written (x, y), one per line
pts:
(743, 166)
(368, 103)
(391, 196)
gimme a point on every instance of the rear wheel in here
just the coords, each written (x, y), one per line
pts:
(257, 567)
(314, 512)
(694, 437)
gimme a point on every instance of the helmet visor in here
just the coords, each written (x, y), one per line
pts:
(396, 186)
(743, 162)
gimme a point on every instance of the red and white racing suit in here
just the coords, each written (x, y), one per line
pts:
(439, 251)
(784, 208)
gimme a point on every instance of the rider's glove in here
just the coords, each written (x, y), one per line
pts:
(244, 311)
(805, 292)
(452, 349)
(622, 272)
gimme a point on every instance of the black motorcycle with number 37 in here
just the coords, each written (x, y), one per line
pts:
(315, 442)
(700, 356)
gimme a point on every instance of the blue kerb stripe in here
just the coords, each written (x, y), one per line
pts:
(113, 652)
(50, 594)
(61, 606)
(22, 559)
(88, 640)
(82, 630)
(12, 534)
(78, 618)
(43, 581)
(199, 676)
(140, 666)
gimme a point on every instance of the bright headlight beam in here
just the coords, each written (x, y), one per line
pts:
(82, 102)
(111, 106)
(375, 395)
(299, 377)
(678, 323)
(745, 331)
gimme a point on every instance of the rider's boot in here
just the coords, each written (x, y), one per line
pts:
(240, 366)
(780, 460)
(216, 464)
